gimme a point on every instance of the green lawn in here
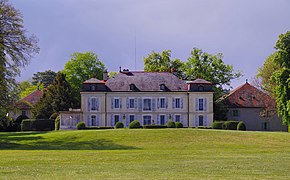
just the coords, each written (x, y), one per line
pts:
(145, 154)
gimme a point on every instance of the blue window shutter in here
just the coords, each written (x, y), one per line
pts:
(158, 103)
(97, 104)
(166, 103)
(139, 104)
(135, 103)
(196, 104)
(204, 120)
(196, 120)
(166, 118)
(120, 103)
(89, 104)
(173, 103)
(112, 101)
(158, 119)
(127, 120)
(135, 117)
(204, 104)
(128, 103)
(181, 119)
(181, 103)
(112, 120)
(98, 120)
(154, 104)
(173, 117)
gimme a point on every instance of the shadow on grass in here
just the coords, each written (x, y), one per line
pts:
(35, 141)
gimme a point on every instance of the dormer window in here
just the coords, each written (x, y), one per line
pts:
(200, 88)
(93, 88)
(162, 87)
(132, 87)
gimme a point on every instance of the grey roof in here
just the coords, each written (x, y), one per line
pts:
(93, 80)
(199, 81)
(146, 81)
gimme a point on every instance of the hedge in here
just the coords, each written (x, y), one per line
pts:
(119, 125)
(241, 126)
(81, 126)
(57, 123)
(134, 125)
(217, 124)
(178, 125)
(37, 125)
(154, 126)
(98, 127)
(230, 125)
(171, 124)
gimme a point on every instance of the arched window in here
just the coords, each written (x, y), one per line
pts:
(201, 88)
(132, 87)
(94, 120)
(162, 87)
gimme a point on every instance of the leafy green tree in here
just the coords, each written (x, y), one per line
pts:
(57, 97)
(16, 49)
(24, 85)
(282, 77)
(45, 78)
(156, 62)
(30, 89)
(81, 67)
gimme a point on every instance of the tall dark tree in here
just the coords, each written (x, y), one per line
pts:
(45, 78)
(16, 49)
(57, 97)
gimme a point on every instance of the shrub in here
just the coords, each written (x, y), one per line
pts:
(203, 127)
(230, 125)
(241, 126)
(134, 125)
(171, 124)
(81, 125)
(98, 127)
(37, 125)
(119, 125)
(154, 126)
(57, 123)
(178, 125)
(54, 115)
(217, 125)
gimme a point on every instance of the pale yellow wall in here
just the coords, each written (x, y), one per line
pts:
(105, 103)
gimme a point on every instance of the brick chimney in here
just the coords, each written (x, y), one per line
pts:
(105, 75)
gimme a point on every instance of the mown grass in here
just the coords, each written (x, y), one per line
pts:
(145, 154)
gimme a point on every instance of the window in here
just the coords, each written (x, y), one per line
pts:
(117, 103)
(147, 105)
(132, 87)
(265, 126)
(177, 103)
(93, 88)
(93, 104)
(131, 118)
(200, 120)
(177, 118)
(116, 119)
(236, 113)
(146, 120)
(93, 120)
(162, 119)
(162, 103)
(200, 88)
(23, 113)
(131, 103)
(200, 104)
(162, 87)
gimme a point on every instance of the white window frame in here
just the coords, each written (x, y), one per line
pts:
(203, 104)
(151, 106)
(179, 103)
(175, 117)
(120, 120)
(130, 116)
(95, 120)
(147, 115)
(160, 119)
(114, 99)
(164, 103)
(131, 98)
(91, 104)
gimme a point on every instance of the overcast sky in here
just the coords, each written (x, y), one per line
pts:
(244, 31)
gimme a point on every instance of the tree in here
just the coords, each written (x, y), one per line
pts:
(209, 67)
(30, 89)
(156, 62)
(45, 78)
(16, 49)
(282, 77)
(265, 73)
(24, 85)
(57, 97)
(81, 67)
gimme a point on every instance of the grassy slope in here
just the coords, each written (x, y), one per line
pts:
(145, 154)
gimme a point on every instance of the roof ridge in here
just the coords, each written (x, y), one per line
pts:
(30, 93)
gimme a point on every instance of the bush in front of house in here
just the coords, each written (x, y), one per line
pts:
(154, 126)
(230, 125)
(171, 124)
(178, 125)
(217, 124)
(54, 115)
(119, 125)
(57, 123)
(99, 127)
(81, 126)
(37, 125)
(241, 126)
(134, 125)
